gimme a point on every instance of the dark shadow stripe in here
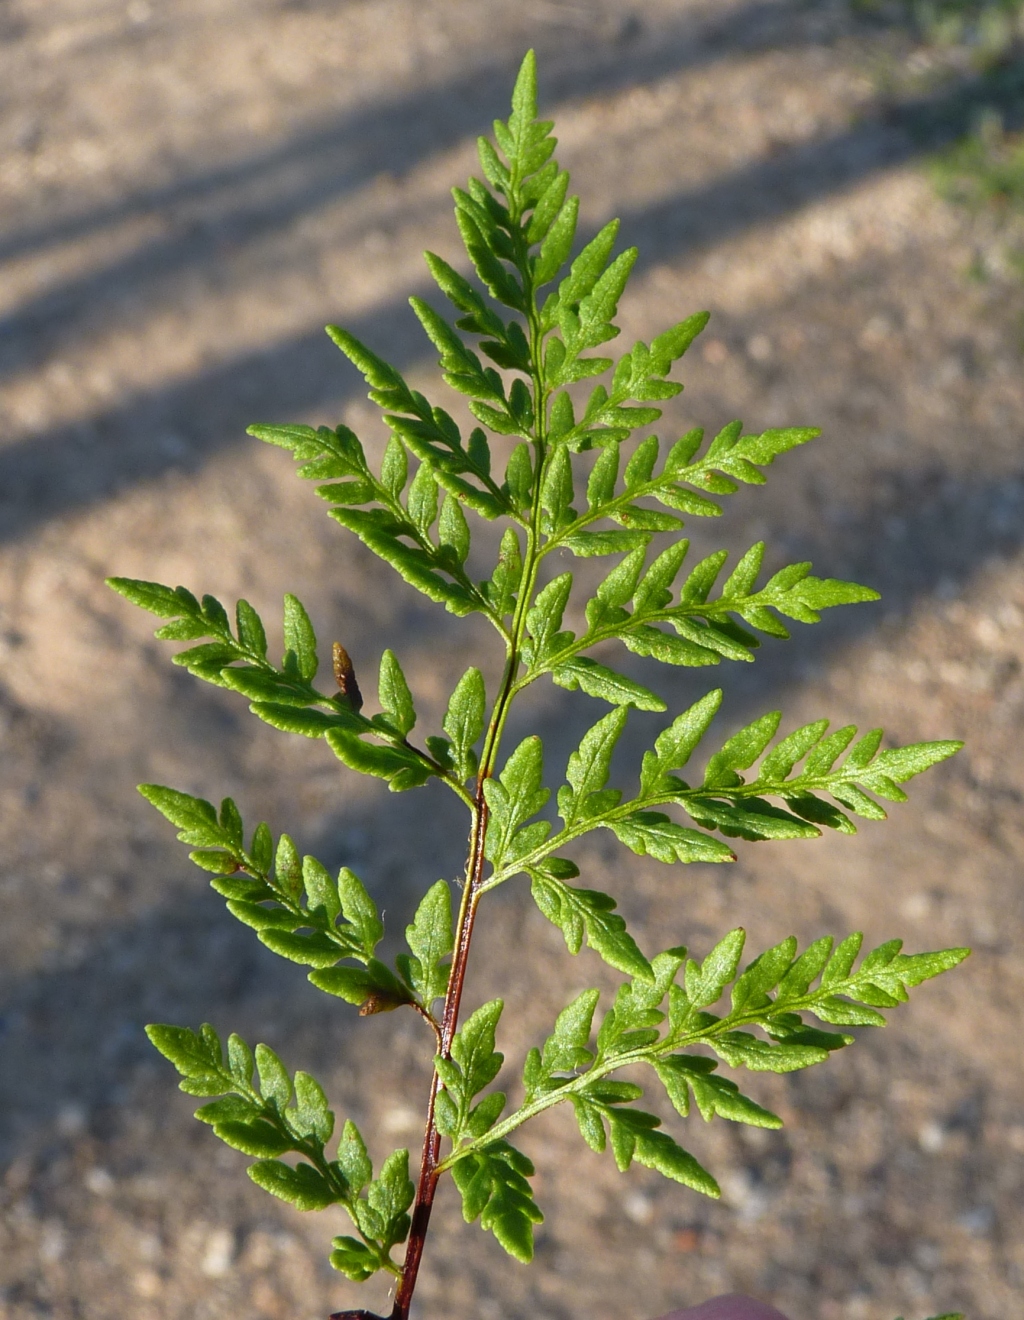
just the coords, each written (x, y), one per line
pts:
(80, 463)
(212, 967)
(395, 135)
(250, 199)
(182, 425)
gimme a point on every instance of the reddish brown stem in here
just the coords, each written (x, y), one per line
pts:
(467, 916)
(449, 1021)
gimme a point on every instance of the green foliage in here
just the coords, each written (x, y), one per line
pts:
(949, 1315)
(430, 941)
(984, 171)
(473, 1064)
(773, 993)
(516, 795)
(783, 1009)
(294, 905)
(991, 32)
(463, 723)
(722, 801)
(967, 56)
(579, 912)
(284, 696)
(494, 1188)
(288, 1115)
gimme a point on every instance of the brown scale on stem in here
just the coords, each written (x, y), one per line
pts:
(345, 677)
(432, 1139)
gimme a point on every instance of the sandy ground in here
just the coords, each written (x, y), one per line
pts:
(190, 190)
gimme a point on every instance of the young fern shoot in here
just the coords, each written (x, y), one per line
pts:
(541, 320)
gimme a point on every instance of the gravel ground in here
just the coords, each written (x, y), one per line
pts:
(189, 192)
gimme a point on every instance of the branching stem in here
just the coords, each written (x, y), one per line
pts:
(300, 912)
(430, 1166)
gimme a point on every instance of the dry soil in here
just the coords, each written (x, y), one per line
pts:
(191, 189)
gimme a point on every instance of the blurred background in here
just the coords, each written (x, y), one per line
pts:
(190, 190)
